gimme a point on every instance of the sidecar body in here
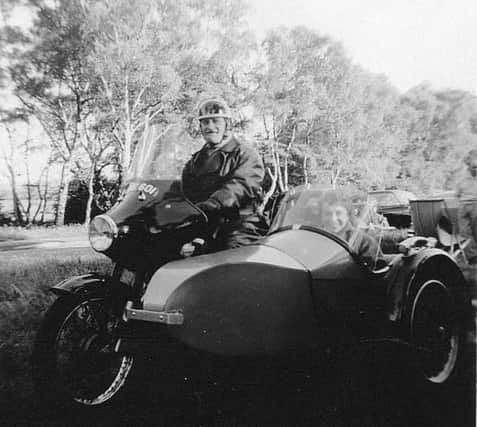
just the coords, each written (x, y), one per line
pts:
(303, 290)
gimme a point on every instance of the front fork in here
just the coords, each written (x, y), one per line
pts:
(135, 324)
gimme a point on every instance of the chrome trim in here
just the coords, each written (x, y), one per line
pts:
(166, 317)
(111, 222)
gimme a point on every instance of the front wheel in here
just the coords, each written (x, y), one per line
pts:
(74, 355)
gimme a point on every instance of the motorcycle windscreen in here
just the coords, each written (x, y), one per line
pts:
(161, 154)
(153, 186)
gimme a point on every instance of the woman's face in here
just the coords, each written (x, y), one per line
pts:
(213, 129)
(335, 217)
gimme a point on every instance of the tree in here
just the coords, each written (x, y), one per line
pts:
(440, 133)
(17, 152)
(88, 68)
(8, 156)
(153, 58)
(325, 119)
(97, 143)
(48, 71)
(298, 69)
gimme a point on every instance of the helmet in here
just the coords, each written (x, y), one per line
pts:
(214, 107)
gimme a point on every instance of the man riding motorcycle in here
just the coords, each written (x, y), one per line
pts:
(224, 179)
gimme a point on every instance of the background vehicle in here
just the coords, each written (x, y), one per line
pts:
(222, 321)
(394, 205)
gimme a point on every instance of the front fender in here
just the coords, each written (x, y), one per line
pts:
(86, 284)
(406, 272)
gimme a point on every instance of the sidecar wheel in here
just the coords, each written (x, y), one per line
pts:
(435, 331)
(74, 357)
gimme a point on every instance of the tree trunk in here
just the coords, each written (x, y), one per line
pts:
(126, 153)
(287, 154)
(285, 172)
(128, 131)
(270, 191)
(28, 184)
(281, 184)
(62, 196)
(273, 176)
(41, 195)
(335, 176)
(305, 169)
(45, 194)
(89, 203)
(18, 209)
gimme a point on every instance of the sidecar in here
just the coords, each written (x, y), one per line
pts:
(306, 295)
(304, 290)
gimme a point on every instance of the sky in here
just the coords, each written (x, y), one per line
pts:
(411, 41)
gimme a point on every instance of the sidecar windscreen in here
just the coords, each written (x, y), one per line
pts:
(161, 154)
(341, 212)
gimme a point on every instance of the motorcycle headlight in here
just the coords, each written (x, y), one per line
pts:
(102, 231)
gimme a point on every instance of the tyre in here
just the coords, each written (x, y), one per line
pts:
(435, 331)
(437, 319)
(74, 358)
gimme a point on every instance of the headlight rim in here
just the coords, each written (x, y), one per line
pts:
(114, 231)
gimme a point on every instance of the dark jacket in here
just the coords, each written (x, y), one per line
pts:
(363, 244)
(226, 184)
(226, 181)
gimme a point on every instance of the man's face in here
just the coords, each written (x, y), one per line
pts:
(335, 217)
(213, 129)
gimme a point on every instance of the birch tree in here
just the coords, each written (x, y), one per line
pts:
(49, 75)
(153, 58)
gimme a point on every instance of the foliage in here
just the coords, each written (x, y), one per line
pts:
(152, 59)
(95, 73)
(321, 114)
(441, 132)
(49, 74)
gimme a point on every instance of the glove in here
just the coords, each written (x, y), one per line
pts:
(209, 208)
(195, 247)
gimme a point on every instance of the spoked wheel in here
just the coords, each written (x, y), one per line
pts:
(435, 331)
(76, 352)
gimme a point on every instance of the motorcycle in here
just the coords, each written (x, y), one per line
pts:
(241, 316)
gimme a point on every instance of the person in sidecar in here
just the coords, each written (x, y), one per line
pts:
(224, 179)
(338, 219)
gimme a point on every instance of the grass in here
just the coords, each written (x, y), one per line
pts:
(41, 232)
(24, 298)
